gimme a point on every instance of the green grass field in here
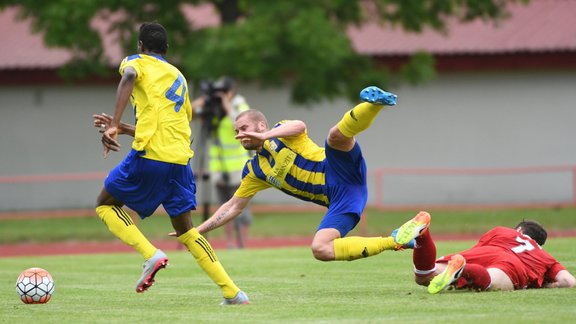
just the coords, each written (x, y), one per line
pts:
(288, 224)
(285, 286)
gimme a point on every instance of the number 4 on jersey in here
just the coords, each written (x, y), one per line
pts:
(173, 96)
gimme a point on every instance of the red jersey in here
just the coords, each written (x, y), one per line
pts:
(518, 255)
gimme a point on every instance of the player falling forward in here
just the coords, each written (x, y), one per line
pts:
(503, 259)
(155, 172)
(334, 176)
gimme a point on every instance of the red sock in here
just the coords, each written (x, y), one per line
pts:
(475, 276)
(424, 256)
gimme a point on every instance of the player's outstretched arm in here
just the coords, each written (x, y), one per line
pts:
(224, 214)
(564, 279)
(287, 129)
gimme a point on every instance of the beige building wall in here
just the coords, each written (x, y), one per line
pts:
(479, 120)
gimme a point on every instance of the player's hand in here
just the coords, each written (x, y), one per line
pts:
(251, 135)
(102, 122)
(109, 140)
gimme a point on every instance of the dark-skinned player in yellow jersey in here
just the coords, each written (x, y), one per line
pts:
(156, 170)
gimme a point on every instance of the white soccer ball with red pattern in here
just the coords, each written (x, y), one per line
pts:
(35, 286)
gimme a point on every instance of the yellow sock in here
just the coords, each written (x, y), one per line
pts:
(121, 225)
(356, 247)
(206, 258)
(358, 119)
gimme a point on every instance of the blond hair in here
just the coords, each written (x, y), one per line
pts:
(254, 115)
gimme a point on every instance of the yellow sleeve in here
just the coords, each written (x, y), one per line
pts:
(132, 62)
(296, 143)
(250, 184)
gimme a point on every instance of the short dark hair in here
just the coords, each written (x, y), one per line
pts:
(534, 230)
(153, 37)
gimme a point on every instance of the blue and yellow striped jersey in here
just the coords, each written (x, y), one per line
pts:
(295, 165)
(162, 109)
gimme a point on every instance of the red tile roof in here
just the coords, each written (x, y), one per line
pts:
(23, 49)
(541, 26)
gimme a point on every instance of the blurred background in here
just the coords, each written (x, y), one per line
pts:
(485, 115)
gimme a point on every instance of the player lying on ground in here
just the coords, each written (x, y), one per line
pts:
(503, 259)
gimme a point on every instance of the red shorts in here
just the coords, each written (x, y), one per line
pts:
(495, 257)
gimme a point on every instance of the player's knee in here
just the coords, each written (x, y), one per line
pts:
(100, 201)
(339, 141)
(336, 136)
(423, 280)
(104, 198)
(322, 252)
(182, 223)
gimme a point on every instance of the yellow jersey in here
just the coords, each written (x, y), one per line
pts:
(294, 165)
(162, 108)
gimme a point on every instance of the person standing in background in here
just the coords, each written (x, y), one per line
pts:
(219, 105)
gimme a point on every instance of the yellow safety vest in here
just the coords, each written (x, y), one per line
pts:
(226, 152)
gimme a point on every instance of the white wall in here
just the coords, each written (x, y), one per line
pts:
(489, 120)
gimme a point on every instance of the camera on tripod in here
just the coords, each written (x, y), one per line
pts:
(213, 91)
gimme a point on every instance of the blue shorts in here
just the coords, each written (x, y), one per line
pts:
(143, 185)
(345, 187)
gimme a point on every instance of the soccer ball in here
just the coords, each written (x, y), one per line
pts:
(35, 286)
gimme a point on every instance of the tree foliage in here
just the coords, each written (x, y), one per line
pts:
(301, 43)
